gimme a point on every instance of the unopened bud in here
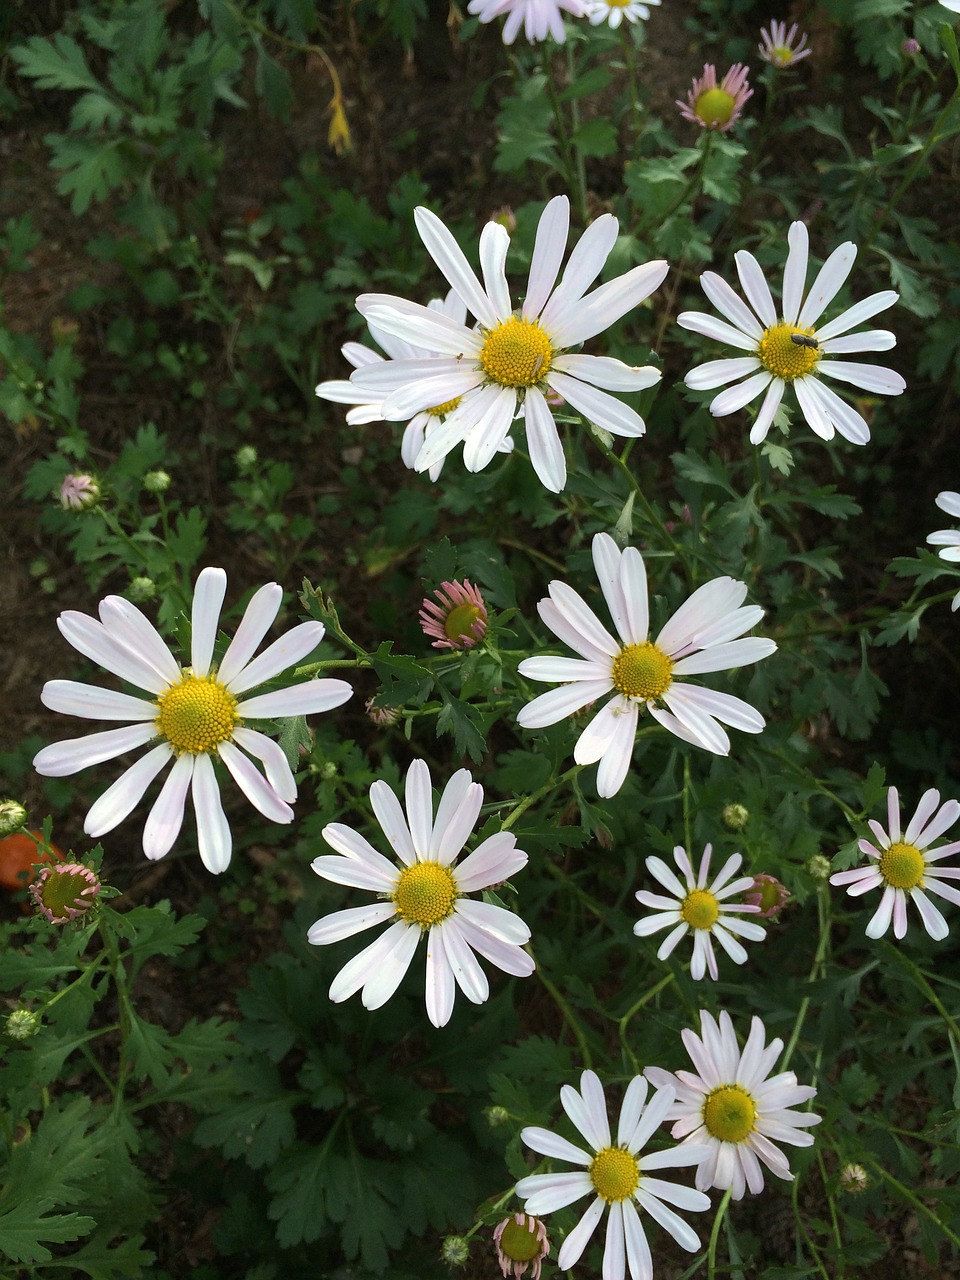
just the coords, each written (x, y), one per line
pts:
(455, 1251)
(854, 1179)
(818, 867)
(12, 816)
(21, 1024)
(157, 481)
(496, 1116)
(735, 816)
(245, 457)
(141, 589)
(79, 492)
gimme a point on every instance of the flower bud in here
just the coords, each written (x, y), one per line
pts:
(818, 867)
(12, 816)
(156, 481)
(382, 716)
(65, 891)
(21, 1024)
(455, 1251)
(854, 1179)
(79, 492)
(496, 1116)
(141, 589)
(245, 457)
(735, 816)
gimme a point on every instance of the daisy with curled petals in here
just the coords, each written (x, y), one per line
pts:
(192, 715)
(641, 674)
(616, 1176)
(424, 897)
(613, 12)
(777, 45)
(368, 405)
(716, 106)
(948, 539)
(514, 358)
(904, 866)
(699, 908)
(539, 18)
(787, 348)
(734, 1107)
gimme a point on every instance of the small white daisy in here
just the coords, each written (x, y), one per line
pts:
(614, 12)
(948, 539)
(194, 714)
(735, 1107)
(539, 18)
(788, 349)
(700, 908)
(513, 359)
(904, 866)
(369, 404)
(780, 47)
(424, 897)
(616, 1176)
(642, 674)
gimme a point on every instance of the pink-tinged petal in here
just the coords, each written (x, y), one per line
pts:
(934, 923)
(496, 860)
(598, 406)
(587, 1109)
(543, 442)
(133, 629)
(253, 784)
(61, 759)
(71, 698)
(345, 924)
(449, 257)
(575, 623)
(795, 271)
(557, 704)
(717, 373)
(730, 305)
(122, 797)
(91, 638)
(388, 957)
(755, 287)
(496, 921)
(208, 593)
(285, 652)
(166, 817)
(934, 884)
(258, 618)
(440, 986)
(507, 957)
(418, 797)
(547, 1192)
(764, 419)
(610, 374)
(578, 1239)
(357, 864)
(548, 249)
(274, 762)
(669, 944)
(464, 966)
(457, 815)
(880, 922)
(735, 398)
(587, 317)
(942, 821)
(860, 311)
(546, 1143)
(213, 830)
(829, 282)
(305, 699)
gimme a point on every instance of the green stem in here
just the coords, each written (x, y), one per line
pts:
(568, 1017)
(715, 1235)
(817, 969)
(553, 785)
(693, 183)
(912, 1199)
(563, 138)
(634, 1009)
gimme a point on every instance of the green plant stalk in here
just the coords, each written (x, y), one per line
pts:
(563, 137)
(817, 969)
(568, 1017)
(554, 784)
(913, 1200)
(715, 1235)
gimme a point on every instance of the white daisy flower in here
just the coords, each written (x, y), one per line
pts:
(539, 18)
(424, 896)
(735, 1107)
(643, 674)
(699, 908)
(369, 404)
(192, 714)
(513, 358)
(788, 348)
(904, 866)
(948, 539)
(616, 1176)
(613, 12)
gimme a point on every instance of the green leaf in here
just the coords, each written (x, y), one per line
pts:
(404, 679)
(55, 64)
(465, 722)
(596, 138)
(187, 539)
(22, 1229)
(93, 169)
(948, 42)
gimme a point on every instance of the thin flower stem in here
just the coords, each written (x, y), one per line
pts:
(834, 1222)
(817, 969)
(553, 785)
(715, 1235)
(687, 830)
(562, 135)
(648, 508)
(920, 981)
(568, 1017)
(800, 1218)
(630, 60)
(912, 1199)
(705, 142)
(634, 1009)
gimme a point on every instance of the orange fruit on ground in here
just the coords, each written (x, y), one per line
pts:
(18, 854)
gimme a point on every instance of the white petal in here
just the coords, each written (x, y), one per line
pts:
(61, 759)
(392, 821)
(556, 704)
(587, 1109)
(730, 305)
(125, 623)
(563, 670)
(298, 700)
(856, 314)
(828, 283)
(795, 271)
(843, 416)
(723, 706)
(597, 406)
(285, 652)
(618, 755)
(736, 397)
(495, 860)
(755, 287)
(440, 986)
(548, 249)
(257, 620)
(464, 966)
(717, 373)
(253, 784)
(91, 638)
(213, 830)
(208, 593)
(489, 432)
(725, 657)
(493, 920)
(274, 762)
(575, 623)
(507, 957)
(612, 375)
(92, 703)
(346, 924)
(494, 242)
(122, 797)
(719, 330)
(764, 419)
(543, 442)
(457, 814)
(604, 729)
(418, 797)
(166, 817)
(449, 257)
(579, 1237)
(589, 316)
(547, 1192)
(551, 1144)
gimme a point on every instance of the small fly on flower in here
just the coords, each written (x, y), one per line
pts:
(805, 340)
(536, 365)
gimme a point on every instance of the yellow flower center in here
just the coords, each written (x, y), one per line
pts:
(642, 671)
(715, 106)
(426, 894)
(448, 406)
(521, 1243)
(517, 353)
(196, 714)
(459, 622)
(902, 866)
(699, 909)
(784, 357)
(614, 1173)
(782, 55)
(729, 1113)
(617, 4)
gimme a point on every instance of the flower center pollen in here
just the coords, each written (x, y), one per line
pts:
(902, 866)
(699, 909)
(642, 671)
(729, 1113)
(441, 410)
(716, 106)
(517, 353)
(614, 1173)
(426, 894)
(459, 622)
(196, 714)
(783, 357)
